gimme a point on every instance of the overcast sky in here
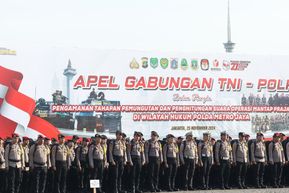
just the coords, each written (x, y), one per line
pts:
(258, 26)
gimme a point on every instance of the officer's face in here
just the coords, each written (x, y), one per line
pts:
(136, 137)
(15, 140)
(170, 140)
(84, 143)
(153, 137)
(98, 140)
(205, 137)
(61, 140)
(103, 141)
(189, 137)
(223, 137)
(40, 141)
(119, 136)
(259, 137)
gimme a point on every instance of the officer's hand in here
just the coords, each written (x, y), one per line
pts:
(54, 168)
(218, 163)
(234, 164)
(182, 163)
(7, 169)
(147, 162)
(271, 162)
(286, 162)
(143, 163)
(130, 163)
(79, 168)
(113, 163)
(166, 165)
(253, 163)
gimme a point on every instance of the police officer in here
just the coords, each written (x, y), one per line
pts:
(241, 159)
(171, 162)
(25, 173)
(136, 159)
(105, 181)
(259, 159)
(50, 171)
(14, 162)
(153, 157)
(189, 158)
(117, 159)
(39, 161)
(72, 168)
(96, 156)
(2, 167)
(82, 165)
(206, 159)
(223, 157)
(59, 159)
(276, 160)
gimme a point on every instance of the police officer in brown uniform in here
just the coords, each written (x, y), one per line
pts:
(136, 159)
(117, 159)
(276, 160)
(2, 167)
(39, 161)
(241, 159)
(189, 158)
(59, 158)
(171, 162)
(82, 165)
(96, 157)
(224, 157)
(154, 157)
(24, 188)
(259, 159)
(206, 159)
(14, 162)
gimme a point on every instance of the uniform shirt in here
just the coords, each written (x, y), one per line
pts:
(95, 152)
(14, 156)
(189, 150)
(117, 148)
(153, 149)
(205, 149)
(2, 158)
(276, 153)
(258, 152)
(104, 147)
(71, 156)
(240, 152)
(26, 154)
(59, 153)
(170, 151)
(81, 155)
(39, 156)
(135, 149)
(223, 151)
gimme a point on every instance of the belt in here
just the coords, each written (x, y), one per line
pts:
(38, 163)
(14, 160)
(190, 158)
(259, 157)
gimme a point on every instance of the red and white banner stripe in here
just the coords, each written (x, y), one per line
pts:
(16, 110)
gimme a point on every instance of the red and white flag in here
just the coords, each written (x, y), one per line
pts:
(16, 109)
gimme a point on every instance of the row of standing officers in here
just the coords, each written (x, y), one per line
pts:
(50, 167)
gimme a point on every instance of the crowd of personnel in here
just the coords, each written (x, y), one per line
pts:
(276, 100)
(138, 165)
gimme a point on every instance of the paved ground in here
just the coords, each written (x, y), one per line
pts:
(268, 190)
